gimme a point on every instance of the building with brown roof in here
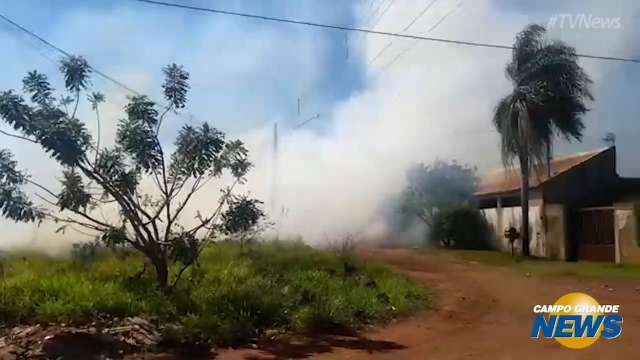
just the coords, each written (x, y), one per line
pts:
(580, 209)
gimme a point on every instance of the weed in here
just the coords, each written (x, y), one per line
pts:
(233, 293)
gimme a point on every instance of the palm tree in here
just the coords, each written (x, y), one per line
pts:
(548, 99)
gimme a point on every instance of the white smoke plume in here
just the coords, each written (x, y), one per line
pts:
(434, 102)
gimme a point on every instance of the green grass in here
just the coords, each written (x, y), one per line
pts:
(544, 267)
(231, 296)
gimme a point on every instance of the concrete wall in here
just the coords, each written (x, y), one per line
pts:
(556, 236)
(547, 226)
(495, 220)
(626, 233)
(505, 217)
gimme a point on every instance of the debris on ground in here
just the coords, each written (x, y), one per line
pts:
(97, 340)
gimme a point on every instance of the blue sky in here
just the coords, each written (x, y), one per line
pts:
(244, 72)
(236, 64)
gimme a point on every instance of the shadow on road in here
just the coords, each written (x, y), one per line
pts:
(305, 348)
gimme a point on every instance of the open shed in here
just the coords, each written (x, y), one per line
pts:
(579, 209)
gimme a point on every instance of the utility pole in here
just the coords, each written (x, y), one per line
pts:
(274, 170)
(549, 159)
(346, 46)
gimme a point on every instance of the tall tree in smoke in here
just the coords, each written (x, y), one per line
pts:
(95, 176)
(436, 187)
(549, 93)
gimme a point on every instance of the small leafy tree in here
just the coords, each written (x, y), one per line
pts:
(95, 177)
(436, 187)
(242, 218)
(461, 227)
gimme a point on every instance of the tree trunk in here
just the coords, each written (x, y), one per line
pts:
(524, 201)
(162, 272)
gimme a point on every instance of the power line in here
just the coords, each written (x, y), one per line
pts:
(360, 30)
(416, 18)
(20, 36)
(458, 6)
(390, 4)
(424, 11)
(66, 54)
(303, 123)
(410, 47)
(39, 49)
(374, 12)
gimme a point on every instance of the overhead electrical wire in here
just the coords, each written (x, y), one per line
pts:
(67, 55)
(375, 23)
(420, 14)
(375, 10)
(410, 47)
(302, 123)
(416, 18)
(361, 30)
(443, 18)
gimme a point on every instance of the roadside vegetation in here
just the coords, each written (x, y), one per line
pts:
(203, 283)
(545, 267)
(440, 197)
(96, 178)
(462, 227)
(231, 295)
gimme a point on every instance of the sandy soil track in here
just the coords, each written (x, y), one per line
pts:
(480, 312)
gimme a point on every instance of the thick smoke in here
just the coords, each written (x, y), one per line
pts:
(434, 102)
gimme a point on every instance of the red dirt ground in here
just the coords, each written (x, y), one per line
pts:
(480, 312)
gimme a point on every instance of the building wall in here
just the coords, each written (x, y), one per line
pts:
(588, 184)
(491, 214)
(506, 217)
(626, 233)
(547, 228)
(556, 232)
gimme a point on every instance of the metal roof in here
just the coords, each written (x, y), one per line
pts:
(508, 180)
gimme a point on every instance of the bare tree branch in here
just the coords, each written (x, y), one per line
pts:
(18, 137)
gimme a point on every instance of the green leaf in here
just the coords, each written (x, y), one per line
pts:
(112, 167)
(197, 150)
(141, 109)
(38, 86)
(76, 71)
(138, 140)
(96, 98)
(64, 138)
(73, 195)
(175, 85)
(14, 203)
(242, 216)
(550, 92)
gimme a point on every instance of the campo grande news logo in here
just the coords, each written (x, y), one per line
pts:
(577, 321)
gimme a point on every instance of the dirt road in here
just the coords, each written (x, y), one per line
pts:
(480, 312)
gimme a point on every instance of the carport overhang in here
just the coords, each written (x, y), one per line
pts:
(498, 199)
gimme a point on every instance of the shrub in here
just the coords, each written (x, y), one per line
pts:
(230, 295)
(85, 251)
(461, 227)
